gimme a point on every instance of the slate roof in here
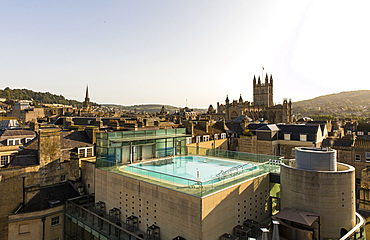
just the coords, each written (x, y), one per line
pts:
(242, 118)
(255, 126)
(9, 124)
(337, 143)
(214, 129)
(235, 128)
(50, 196)
(296, 130)
(15, 133)
(268, 127)
(28, 155)
(365, 127)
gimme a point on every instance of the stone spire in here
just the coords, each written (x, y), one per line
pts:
(87, 92)
(86, 104)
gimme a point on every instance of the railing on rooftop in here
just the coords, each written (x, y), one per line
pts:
(83, 223)
(358, 232)
(261, 164)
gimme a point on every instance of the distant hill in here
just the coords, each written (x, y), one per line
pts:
(344, 104)
(37, 97)
(151, 108)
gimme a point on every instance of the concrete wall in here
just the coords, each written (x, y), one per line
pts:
(328, 194)
(180, 214)
(223, 210)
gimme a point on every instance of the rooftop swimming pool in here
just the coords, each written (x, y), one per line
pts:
(190, 169)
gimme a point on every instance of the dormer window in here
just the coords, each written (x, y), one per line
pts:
(205, 138)
(13, 142)
(303, 137)
(215, 137)
(86, 152)
(223, 135)
(188, 140)
(26, 140)
(4, 160)
(286, 136)
(349, 132)
(197, 139)
(360, 133)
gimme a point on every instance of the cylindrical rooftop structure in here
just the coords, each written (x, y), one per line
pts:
(316, 159)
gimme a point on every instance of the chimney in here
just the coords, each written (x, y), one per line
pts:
(49, 146)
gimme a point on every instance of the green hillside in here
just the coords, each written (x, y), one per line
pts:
(344, 104)
(151, 108)
(37, 97)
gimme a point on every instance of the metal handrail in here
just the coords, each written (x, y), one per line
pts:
(355, 228)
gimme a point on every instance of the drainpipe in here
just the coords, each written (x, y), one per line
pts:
(43, 227)
(24, 191)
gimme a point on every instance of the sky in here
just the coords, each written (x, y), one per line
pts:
(178, 52)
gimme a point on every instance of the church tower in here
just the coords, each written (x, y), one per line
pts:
(86, 104)
(263, 92)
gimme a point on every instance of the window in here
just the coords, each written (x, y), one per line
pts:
(303, 137)
(24, 228)
(205, 138)
(349, 132)
(188, 140)
(4, 160)
(367, 156)
(13, 142)
(197, 139)
(282, 151)
(360, 133)
(55, 221)
(223, 135)
(215, 137)
(26, 140)
(85, 152)
(62, 178)
(357, 157)
(368, 133)
(286, 136)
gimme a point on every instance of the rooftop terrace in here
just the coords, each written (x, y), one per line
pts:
(261, 164)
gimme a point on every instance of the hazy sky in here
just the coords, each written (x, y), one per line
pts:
(157, 51)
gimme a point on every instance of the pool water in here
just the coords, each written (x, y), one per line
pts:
(193, 168)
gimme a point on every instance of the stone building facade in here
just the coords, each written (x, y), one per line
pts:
(262, 106)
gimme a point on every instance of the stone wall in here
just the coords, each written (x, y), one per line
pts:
(221, 143)
(250, 144)
(29, 225)
(88, 176)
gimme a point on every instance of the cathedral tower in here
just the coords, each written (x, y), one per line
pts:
(263, 92)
